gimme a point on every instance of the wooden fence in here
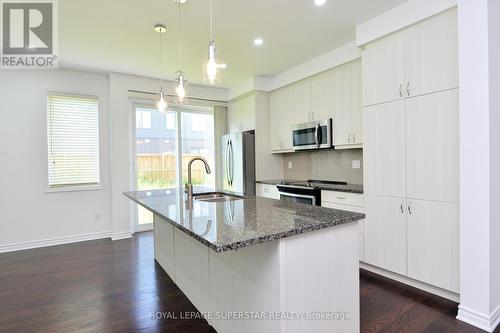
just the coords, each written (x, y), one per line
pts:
(160, 169)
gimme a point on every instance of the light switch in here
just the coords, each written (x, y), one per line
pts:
(290, 165)
(356, 164)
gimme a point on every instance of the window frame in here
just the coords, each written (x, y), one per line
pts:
(72, 188)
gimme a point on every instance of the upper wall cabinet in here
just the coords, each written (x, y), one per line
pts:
(418, 60)
(383, 70)
(335, 93)
(241, 115)
(281, 119)
(301, 102)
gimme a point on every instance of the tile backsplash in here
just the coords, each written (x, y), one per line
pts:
(324, 165)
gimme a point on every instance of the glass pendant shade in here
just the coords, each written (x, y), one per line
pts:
(181, 90)
(211, 66)
(162, 103)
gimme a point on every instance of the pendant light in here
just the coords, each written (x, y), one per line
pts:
(211, 74)
(182, 84)
(162, 102)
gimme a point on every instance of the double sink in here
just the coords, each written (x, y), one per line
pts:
(216, 197)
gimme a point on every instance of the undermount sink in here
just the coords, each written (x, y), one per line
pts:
(216, 197)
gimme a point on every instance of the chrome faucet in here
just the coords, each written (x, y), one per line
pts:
(189, 184)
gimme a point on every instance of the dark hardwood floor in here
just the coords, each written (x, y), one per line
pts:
(105, 286)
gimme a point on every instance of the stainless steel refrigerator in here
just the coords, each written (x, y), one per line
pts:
(238, 162)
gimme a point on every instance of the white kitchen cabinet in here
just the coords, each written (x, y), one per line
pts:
(321, 95)
(384, 155)
(351, 202)
(335, 93)
(267, 191)
(356, 104)
(385, 233)
(341, 104)
(281, 118)
(418, 60)
(241, 115)
(432, 147)
(301, 102)
(431, 53)
(433, 243)
(383, 70)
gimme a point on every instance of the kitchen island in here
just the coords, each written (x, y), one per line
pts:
(259, 265)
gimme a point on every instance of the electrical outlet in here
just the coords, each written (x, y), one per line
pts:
(356, 164)
(97, 216)
(290, 165)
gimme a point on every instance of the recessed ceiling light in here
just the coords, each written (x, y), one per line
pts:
(223, 66)
(180, 1)
(319, 2)
(258, 41)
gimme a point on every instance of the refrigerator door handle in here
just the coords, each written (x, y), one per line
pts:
(231, 161)
(226, 166)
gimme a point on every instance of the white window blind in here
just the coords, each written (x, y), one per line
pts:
(73, 141)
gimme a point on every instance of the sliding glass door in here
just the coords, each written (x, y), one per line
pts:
(165, 142)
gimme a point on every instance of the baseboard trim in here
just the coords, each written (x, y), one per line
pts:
(480, 320)
(53, 241)
(121, 235)
(411, 282)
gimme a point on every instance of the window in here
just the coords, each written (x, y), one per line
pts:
(143, 119)
(73, 141)
(170, 121)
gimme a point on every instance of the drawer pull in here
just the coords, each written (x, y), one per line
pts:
(341, 198)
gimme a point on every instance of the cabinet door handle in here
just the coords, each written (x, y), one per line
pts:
(349, 137)
(408, 88)
(409, 209)
(401, 90)
(402, 210)
(353, 137)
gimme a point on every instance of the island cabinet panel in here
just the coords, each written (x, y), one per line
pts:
(164, 245)
(285, 285)
(328, 290)
(192, 270)
(246, 280)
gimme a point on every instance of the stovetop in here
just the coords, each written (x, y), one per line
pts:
(314, 182)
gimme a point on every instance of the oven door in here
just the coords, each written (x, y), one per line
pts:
(298, 198)
(312, 135)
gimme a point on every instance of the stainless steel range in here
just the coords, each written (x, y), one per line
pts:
(304, 192)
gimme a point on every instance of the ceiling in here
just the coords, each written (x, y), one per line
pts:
(118, 36)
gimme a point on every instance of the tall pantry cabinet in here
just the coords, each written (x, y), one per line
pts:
(411, 162)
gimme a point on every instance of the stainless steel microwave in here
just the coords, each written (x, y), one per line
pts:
(313, 135)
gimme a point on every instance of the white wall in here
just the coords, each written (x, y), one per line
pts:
(28, 214)
(479, 162)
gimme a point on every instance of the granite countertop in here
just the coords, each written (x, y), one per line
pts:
(230, 225)
(351, 188)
